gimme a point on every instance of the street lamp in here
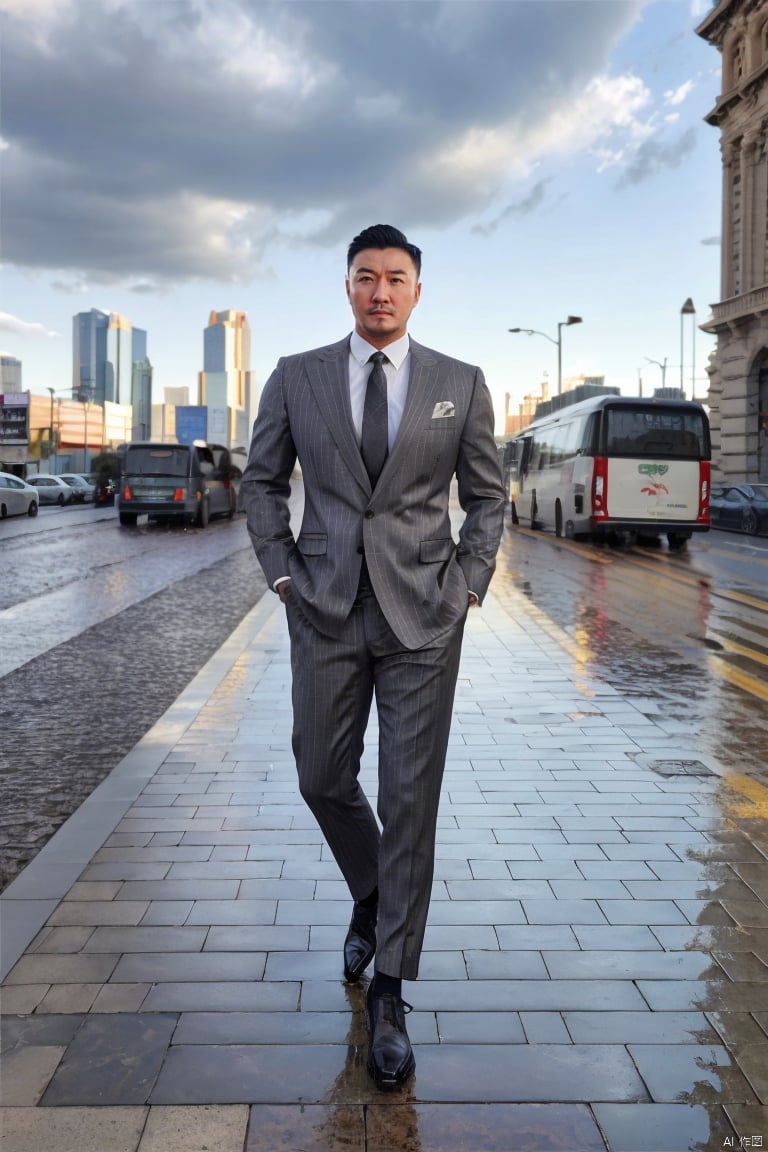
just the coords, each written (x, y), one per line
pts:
(85, 403)
(52, 448)
(688, 310)
(663, 369)
(559, 342)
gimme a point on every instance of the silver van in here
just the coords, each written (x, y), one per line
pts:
(185, 482)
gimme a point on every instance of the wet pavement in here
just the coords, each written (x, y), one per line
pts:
(596, 967)
(79, 707)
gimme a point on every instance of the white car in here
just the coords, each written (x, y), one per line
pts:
(80, 485)
(16, 497)
(52, 489)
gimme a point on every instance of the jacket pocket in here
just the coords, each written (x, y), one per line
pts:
(435, 551)
(312, 544)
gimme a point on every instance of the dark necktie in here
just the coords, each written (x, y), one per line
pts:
(375, 421)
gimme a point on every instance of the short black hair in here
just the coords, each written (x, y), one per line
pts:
(383, 236)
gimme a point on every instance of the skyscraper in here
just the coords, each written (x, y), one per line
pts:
(110, 363)
(89, 355)
(226, 379)
(10, 374)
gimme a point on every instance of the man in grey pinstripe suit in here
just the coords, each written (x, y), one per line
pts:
(376, 592)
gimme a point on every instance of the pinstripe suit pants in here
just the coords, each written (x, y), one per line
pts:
(334, 682)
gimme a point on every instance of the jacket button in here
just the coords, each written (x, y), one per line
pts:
(368, 514)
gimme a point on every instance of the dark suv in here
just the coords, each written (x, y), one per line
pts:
(184, 482)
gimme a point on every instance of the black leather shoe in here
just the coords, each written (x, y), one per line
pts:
(390, 1056)
(360, 944)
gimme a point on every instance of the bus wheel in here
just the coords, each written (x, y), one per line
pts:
(128, 519)
(676, 541)
(558, 519)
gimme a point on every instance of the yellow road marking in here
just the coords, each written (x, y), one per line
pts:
(753, 802)
(742, 650)
(741, 679)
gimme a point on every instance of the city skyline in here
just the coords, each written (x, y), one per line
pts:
(550, 159)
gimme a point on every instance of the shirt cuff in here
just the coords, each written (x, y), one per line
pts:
(280, 580)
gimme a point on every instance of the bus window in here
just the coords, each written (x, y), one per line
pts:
(650, 431)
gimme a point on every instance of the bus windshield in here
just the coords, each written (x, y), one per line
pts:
(651, 431)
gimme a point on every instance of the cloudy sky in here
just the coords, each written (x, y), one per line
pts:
(162, 158)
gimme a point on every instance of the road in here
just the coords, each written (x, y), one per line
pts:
(103, 627)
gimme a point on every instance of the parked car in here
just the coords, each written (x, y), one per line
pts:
(742, 507)
(17, 498)
(184, 482)
(82, 487)
(52, 489)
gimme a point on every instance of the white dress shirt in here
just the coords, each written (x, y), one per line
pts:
(397, 369)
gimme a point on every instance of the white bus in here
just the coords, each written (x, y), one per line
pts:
(613, 467)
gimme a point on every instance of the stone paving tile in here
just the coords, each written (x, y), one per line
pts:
(639, 1027)
(61, 969)
(95, 912)
(313, 1128)
(493, 1072)
(201, 1128)
(749, 1121)
(145, 939)
(479, 1127)
(61, 939)
(113, 1060)
(667, 1127)
(161, 967)
(216, 996)
(69, 998)
(695, 1074)
(628, 965)
(73, 1129)
(26, 1072)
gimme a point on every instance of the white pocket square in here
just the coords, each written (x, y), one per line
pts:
(442, 409)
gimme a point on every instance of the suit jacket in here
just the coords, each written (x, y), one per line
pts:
(420, 575)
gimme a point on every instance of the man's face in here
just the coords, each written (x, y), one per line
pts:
(383, 290)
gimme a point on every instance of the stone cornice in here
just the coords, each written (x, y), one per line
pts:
(714, 26)
(748, 304)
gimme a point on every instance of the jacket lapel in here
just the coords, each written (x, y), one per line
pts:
(328, 373)
(424, 386)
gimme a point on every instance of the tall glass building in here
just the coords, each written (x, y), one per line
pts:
(226, 379)
(110, 363)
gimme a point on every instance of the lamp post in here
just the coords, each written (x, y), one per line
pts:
(52, 448)
(688, 310)
(559, 342)
(85, 435)
(663, 369)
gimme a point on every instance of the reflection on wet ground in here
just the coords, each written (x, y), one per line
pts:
(690, 652)
(79, 708)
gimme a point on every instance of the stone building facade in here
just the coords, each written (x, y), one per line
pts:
(738, 371)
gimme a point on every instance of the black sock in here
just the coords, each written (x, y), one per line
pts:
(370, 901)
(383, 985)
